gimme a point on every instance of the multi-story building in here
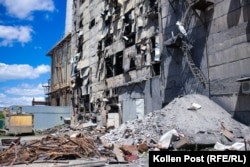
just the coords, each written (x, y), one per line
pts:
(131, 57)
(59, 92)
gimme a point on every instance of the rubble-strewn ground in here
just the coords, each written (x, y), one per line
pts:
(204, 123)
(197, 128)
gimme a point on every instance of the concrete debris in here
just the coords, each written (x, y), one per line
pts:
(173, 127)
(167, 138)
(194, 106)
(202, 127)
(236, 146)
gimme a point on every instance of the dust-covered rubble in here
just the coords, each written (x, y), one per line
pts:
(205, 125)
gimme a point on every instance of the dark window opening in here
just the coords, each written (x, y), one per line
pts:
(80, 43)
(119, 63)
(85, 102)
(99, 46)
(109, 67)
(154, 5)
(115, 92)
(132, 65)
(130, 40)
(80, 23)
(108, 41)
(108, 20)
(57, 101)
(107, 93)
(81, 2)
(153, 48)
(92, 24)
(156, 69)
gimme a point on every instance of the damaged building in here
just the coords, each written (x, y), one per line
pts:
(131, 57)
(58, 90)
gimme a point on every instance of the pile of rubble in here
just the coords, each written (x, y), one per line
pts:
(194, 121)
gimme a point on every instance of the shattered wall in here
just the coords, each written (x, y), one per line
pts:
(133, 53)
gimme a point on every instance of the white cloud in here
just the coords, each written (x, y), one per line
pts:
(21, 71)
(26, 90)
(22, 101)
(21, 95)
(11, 34)
(23, 9)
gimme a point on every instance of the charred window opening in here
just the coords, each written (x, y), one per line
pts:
(107, 93)
(109, 67)
(80, 43)
(154, 5)
(81, 23)
(132, 65)
(85, 101)
(115, 92)
(108, 41)
(156, 69)
(130, 40)
(118, 63)
(108, 20)
(99, 46)
(92, 24)
(152, 39)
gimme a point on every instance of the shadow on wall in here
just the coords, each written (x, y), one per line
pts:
(178, 78)
(233, 16)
(236, 8)
(242, 109)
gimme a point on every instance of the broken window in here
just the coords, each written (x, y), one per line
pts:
(156, 69)
(118, 63)
(129, 41)
(109, 67)
(81, 23)
(80, 43)
(92, 24)
(132, 65)
(129, 29)
(108, 40)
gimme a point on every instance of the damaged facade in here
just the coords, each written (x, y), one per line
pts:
(131, 57)
(58, 91)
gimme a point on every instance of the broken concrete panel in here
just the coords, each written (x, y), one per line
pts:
(96, 87)
(132, 75)
(119, 80)
(128, 5)
(118, 46)
(110, 82)
(83, 64)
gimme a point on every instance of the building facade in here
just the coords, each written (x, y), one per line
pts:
(131, 57)
(58, 90)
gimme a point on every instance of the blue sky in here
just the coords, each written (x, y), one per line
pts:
(29, 29)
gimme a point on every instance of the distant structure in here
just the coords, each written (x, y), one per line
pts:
(129, 58)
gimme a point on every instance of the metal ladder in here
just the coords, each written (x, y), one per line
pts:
(194, 69)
